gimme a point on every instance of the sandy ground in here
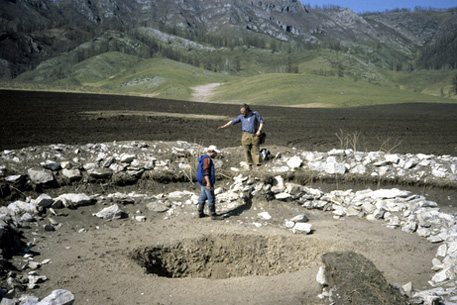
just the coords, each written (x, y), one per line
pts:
(96, 264)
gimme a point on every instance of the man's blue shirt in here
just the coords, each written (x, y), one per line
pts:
(249, 123)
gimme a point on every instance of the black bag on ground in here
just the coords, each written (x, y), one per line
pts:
(262, 137)
(266, 154)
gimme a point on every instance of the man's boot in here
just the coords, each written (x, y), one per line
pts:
(213, 214)
(201, 214)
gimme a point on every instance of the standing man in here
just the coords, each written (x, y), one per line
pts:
(206, 178)
(251, 124)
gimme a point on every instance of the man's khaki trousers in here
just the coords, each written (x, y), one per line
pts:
(251, 146)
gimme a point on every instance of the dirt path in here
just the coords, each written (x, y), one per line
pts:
(204, 93)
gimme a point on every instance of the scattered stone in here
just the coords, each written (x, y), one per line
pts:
(43, 200)
(52, 165)
(40, 176)
(13, 179)
(157, 206)
(21, 207)
(320, 276)
(34, 280)
(58, 297)
(100, 173)
(301, 227)
(72, 174)
(265, 215)
(28, 300)
(140, 218)
(72, 200)
(300, 218)
(295, 162)
(112, 212)
(49, 228)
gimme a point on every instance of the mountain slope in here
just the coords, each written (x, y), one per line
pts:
(119, 46)
(35, 30)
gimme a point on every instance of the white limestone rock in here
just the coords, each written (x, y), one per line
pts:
(300, 218)
(157, 206)
(333, 167)
(439, 172)
(43, 200)
(410, 227)
(293, 189)
(390, 193)
(140, 218)
(358, 169)
(112, 212)
(58, 297)
(294, 162)
(444, 275)
(265, 215)
(301, 227)
(408, 289)
(34, 280)
(442, 251)
(283, 196)
(26, 217)
(392, 158)
(117, 168)
(28, 300)
(411, 163)
(320, 276)
(20, 207)
(280, 169)
(90, 166)
(40, 176)
(278, 185)
(72, 200)
(128, 158)
(100, 173)
(219, 190)
(72, 174)
(52, 165)
(14, 178)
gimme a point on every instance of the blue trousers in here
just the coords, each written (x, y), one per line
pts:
(207, 194)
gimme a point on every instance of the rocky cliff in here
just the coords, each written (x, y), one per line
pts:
(35, 30)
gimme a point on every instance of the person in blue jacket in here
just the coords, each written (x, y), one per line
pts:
(206, 178)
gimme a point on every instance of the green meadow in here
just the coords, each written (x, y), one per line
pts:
(320, 79)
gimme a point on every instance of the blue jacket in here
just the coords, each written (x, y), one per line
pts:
(201, 170)
(249, 123)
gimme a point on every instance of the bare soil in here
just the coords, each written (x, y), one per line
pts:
(105, 262)
(41, 118)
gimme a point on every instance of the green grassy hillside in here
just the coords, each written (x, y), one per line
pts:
(315, 91)
(321, 78)
(115, 72)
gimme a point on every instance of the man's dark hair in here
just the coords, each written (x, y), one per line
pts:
(246, 106)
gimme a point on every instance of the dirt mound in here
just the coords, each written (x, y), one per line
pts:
(354, 279)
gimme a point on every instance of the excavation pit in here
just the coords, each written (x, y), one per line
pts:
(226, 256)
